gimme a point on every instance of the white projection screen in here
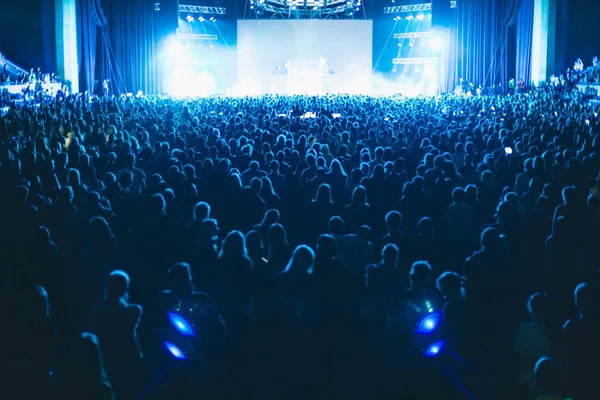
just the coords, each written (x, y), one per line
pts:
(304, 56)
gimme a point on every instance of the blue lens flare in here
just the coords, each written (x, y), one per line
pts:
(435, 349)
(175, 351)
(181, 324)
(429, 323)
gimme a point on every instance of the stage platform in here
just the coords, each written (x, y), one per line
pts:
(589, 89)
(52, 88)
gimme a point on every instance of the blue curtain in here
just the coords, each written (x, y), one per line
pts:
(130, 46)
(524, 41)
(478, 46)
(87, 29)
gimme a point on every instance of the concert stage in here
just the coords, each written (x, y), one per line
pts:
(589, 89)
(52, 88)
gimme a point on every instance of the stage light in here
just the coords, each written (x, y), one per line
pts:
(213, 19)
(436, 43)
(175, 351)
(358, 3)
(410, 17)
(428, 323)
(180, 324)
(420, 16)
(189, 18)
(435, 349)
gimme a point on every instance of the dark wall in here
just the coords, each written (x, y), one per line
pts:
(577, 32)
(27, 33)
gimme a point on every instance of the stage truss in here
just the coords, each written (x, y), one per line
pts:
(416, 60)
(184, 8)
(197, 36)
(304, 9)
(412, 8)
(413, 35)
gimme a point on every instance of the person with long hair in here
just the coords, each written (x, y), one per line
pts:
(279, 248)
(322, 208)
(115, 322)
(271, 217)
(234, 272)
(83, 375)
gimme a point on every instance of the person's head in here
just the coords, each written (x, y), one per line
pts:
(302, 261)
(548, 375)
(420, 274)
(158, 205)
(586, 299)
(180, 278)
(234, 246)
(323, 194)
(255, 185)
(492, 240)
(538, 307)
(130, 159)
(569, 195)
(100, 230)
(326, 247)
(425, 227)
(393, 221)
(117, 287)
(73, 178)
(450, 284)
(201, 211)
(336, 167)
(458, 195)
(277, 235)
(271, 217)
(336, 226)
(254, 243)
(209, 229)
(359, 195)
(390, 254)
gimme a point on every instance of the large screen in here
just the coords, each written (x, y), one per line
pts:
(304, 56)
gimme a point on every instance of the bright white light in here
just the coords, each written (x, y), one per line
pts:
(436, 43)
(420, 16)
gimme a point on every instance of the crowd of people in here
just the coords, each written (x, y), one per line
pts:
(302, 251)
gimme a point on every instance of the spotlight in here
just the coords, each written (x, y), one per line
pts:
(189, 18)
(435, 349)
(428, 323)
(180, 324)
(420, 16)
(436, 43)
(410, 17)
(175, 351)
(213, 19)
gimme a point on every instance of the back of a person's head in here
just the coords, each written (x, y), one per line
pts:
(255, 185)
(491, 239)
(420, 273)
(201, 211)
(326, 247)
(548, 376)
(130, 159)
(365, 232)
(458, 195)
(180, 277)
(254, 242)
(323, 194)
(302, 260)
(393, 220)
(271, 216)
(569, 194)
(73, 177)
(390, 254)
(359, 195)
(587, 299)
(234, 245)
(336, 225)
(117, 286)
(538, 307)
(450, 284)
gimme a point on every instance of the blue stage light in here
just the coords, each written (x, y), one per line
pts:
(181, 324)
(175, 351)
(435, 349)
(429, 323)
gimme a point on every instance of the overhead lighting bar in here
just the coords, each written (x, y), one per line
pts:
(184, 8)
